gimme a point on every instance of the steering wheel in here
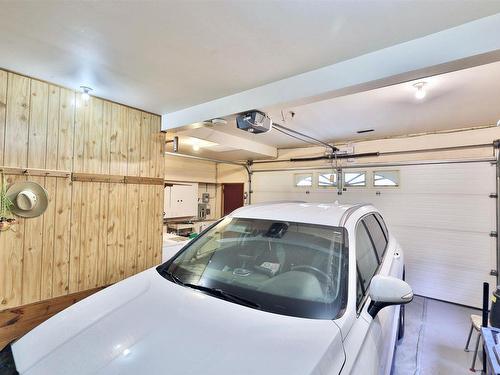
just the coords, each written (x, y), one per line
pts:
(316, 271)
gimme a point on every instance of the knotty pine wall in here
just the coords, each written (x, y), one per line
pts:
(93, 233)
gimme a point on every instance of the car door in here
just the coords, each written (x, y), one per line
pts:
(369, 340)
(385, 323)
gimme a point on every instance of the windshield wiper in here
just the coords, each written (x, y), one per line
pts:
(224, 295)
(174, 278)
(215, 292)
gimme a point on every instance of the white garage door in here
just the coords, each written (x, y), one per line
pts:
(441, 214)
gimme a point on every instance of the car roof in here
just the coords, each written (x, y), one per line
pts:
(301, 212)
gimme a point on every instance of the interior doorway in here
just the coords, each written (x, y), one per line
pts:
(232, 197)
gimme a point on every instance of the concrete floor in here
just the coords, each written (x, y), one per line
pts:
(434, 340)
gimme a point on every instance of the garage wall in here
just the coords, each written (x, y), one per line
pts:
(94, 232)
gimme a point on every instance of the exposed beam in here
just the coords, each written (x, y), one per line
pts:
(234, 141)
(471, 44)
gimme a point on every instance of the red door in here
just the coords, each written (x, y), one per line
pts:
(233, 197)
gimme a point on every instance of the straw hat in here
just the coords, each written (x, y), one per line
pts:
(29, 198)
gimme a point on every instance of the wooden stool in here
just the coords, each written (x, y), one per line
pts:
(476, 321)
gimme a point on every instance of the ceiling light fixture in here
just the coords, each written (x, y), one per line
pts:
(420, 92)
(196, 147)
(218, 121)
(85, 92)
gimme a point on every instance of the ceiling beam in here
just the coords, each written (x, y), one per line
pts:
(471, 44)
(225, 139)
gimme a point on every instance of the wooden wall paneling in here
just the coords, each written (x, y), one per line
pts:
(106, 137)
(145, 144)
(76, 229)
(154, 142)
(134, 142)
(119, 140)
(142, 241)
(151, 227)
(103, 233)
(89, 237)
(63, 227)
(37, 137)
(160, 148)
(158, 231)
(132, 229)
(11, 260)
(66, 134)
(116, 232)
(81, 116)
(32, 258)
(93, 233)
(53, 112)
(17, 116)
(93, 136)
(3, 108)
(48, 245)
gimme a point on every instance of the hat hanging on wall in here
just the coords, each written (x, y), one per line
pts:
(29, 199)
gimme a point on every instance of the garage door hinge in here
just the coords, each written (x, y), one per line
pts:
(493, 234)
(493, 273)
(493, 195)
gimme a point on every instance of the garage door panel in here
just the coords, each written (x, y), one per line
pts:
(449, 286)
(460, 178)
(471, 213)
(433, 247)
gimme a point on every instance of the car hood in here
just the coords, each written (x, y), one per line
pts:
(147, 324)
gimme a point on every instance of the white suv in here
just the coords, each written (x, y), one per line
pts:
(278, 288)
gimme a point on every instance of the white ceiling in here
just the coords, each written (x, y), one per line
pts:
(166, 55)
(460, 99)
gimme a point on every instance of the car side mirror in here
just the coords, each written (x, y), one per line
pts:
(388, 291)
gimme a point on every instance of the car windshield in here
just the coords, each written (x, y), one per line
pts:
(287, 268)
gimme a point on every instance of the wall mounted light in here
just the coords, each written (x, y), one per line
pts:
(420, 90)
(85, 92)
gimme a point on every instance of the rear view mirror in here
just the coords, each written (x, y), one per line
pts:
(387, 291)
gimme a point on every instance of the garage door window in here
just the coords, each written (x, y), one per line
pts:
(386, 178)
(303, 179)
(326, 180)
(354, 179)
(376, 234)
(366, 258)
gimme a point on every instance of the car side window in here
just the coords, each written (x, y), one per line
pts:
(376, 234)
(382, 224)
(366, 258)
